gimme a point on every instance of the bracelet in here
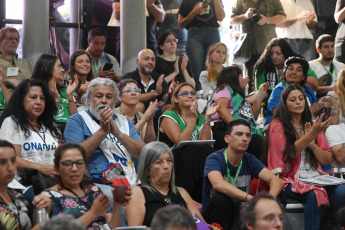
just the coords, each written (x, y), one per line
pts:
(70, 101)
(261, 96)
(245, 199)
(208, 119)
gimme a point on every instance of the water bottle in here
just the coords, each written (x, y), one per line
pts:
(40, 215)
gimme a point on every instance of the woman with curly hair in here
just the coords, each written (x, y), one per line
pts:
(28, 123)
(217, 56)
(270, 66)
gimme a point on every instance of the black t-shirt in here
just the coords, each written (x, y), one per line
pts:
(156, 200)
(135, 75)
(167, 67)
(207, 19)
(340, 37)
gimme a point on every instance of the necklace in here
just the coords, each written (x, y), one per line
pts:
(298, 129)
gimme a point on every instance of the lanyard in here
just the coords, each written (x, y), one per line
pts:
(96, 68)
(228, 170)
(335, 71)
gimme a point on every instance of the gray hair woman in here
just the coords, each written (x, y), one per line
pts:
(157, 188)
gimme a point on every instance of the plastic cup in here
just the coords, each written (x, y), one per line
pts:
(120, 193)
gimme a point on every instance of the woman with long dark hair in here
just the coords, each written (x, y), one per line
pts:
(48, 69)
(28, 123)
(230, 97)
(80, 65)
(171, 65)
(270, 66)
(298, 146)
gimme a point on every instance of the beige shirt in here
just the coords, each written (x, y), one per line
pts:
(24, 67)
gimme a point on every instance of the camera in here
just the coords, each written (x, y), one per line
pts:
(256, 16)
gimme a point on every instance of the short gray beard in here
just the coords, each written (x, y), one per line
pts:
(95, 111)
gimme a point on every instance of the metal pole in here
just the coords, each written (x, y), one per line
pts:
(132, 32)
(73, 41)
(35, 29)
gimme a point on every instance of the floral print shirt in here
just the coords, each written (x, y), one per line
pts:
(75, 206)
(9, 213)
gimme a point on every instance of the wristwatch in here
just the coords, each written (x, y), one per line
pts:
(268, 20)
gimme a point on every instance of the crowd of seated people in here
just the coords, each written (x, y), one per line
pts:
(86, 137)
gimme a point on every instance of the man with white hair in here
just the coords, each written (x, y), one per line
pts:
(108, 138)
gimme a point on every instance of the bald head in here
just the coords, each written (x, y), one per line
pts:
(146, 61)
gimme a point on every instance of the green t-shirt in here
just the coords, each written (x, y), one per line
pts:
(178, 119)
(63, 113)
(2, 100)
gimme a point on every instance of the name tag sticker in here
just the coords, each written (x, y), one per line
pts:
(12, 71)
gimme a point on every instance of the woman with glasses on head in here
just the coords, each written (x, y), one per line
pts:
(171, 65)
(183, 122)
(74, 195)
(129, 98)
(230, 98)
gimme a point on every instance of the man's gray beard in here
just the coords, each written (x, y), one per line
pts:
(95, 111)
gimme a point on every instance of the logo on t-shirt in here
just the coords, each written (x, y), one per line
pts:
(245, 111)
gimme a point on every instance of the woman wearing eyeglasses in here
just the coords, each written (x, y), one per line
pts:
(75, 196)
(171, 65)
(129, 98)
(183, 122)
(229, 96)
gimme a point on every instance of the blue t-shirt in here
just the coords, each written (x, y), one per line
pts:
(251, 167)
(274, 99)
(77, 131)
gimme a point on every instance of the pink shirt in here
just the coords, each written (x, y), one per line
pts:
(290, 173)
(220, 94)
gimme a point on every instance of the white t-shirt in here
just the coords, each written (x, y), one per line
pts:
(305, 169)
(335, 135)
(300, 28)
(323, 75)
(39, 147)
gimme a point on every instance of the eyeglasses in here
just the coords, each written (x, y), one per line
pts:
(132, 90)
(185, 93)
(171, 41)
(69, 164)
(272, 220)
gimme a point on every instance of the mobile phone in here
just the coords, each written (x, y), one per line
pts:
(107, 66)
(206, 2)
(326, 111)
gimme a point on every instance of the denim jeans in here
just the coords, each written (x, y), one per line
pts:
(304, 48)
(199, 41)
(312, 213)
